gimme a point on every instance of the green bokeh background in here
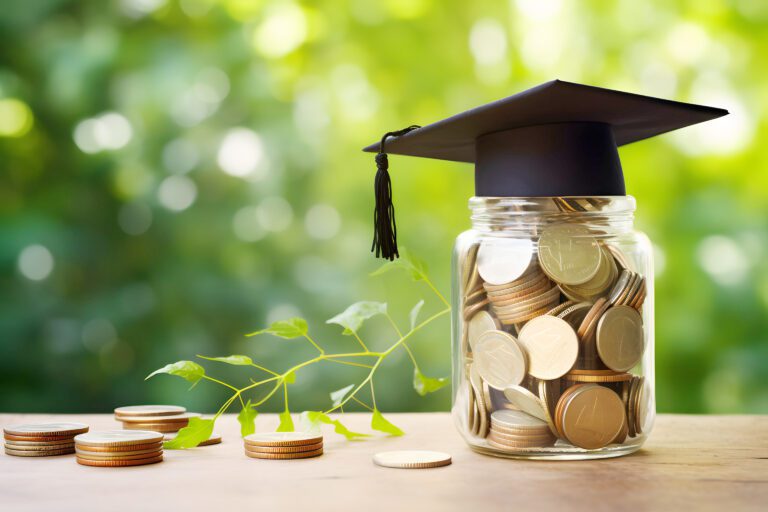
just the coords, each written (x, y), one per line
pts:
(159, 254)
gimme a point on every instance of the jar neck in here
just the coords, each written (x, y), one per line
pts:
(609, 215)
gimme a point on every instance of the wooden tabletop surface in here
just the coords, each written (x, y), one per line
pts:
(690, 463)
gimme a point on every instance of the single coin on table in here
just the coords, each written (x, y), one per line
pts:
(118, 438)
(551, 345)
(620, 342)
(569, 254)
(283, 439)
(284, 449)
(46, 429)
(149, 410)
(500, 360)
(412, 459)
(503, 261)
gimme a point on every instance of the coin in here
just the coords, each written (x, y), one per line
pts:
(162, 428)
(39, 453)
(412, 459)
(548, 403)
(551, 346)
(175, 418)
(510, 436)
(586, 377)
(282, 439)
(46, 429)
(620, 341)
(569, 254)
(525, 401)
(118, 455)
(479, 324)
(503, 261)
(518, 420)
(45, 444)
(284, 456)
(214, 439)
(149, 410)
(39, 448)
(500, 360)
(593, 417)
(476, 381)
(118, 463)
(119, 449)
(469, 269)
(643, 406)
(118, 438)
(284, 449)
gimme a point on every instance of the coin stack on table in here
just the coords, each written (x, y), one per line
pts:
(552, 333)
(283, 445)
(158, 418)
(42, 439)
(119, 448)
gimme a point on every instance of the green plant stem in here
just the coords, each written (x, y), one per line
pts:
(360, 341)
(315, 344)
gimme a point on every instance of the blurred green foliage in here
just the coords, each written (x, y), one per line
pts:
(175, 173)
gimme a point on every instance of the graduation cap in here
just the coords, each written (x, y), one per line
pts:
(557, 139)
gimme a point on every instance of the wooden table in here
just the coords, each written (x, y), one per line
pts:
(690, 463)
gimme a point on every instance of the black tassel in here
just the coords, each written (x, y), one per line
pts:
(384, 226)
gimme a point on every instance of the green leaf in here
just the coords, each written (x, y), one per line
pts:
(197, 431)
(188, 370)
(411, 264)
(415, 313)
(353, 317)
(247, 419)
(316, 417)
(290, 378)
(338, 395)
(288, 329)
(424, 385)
(286, 422)
(235, 360)
(378, 422)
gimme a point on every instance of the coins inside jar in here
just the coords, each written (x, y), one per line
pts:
(555, 338)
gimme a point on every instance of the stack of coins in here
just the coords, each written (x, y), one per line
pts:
(119, 448)
(158, 418)
(42, 439)
(283, 445)
(552, 332)
(518, 430)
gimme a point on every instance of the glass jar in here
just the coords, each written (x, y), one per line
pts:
(553, 328)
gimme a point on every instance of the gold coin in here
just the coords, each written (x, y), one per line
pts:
(620, 286)
(46, 429)
(149, 410)
(119, 449)
(118, 463)
(593, 417)
(620, 342)
(118, 455)
(545, 396)
(642, 406)
(39, 448)
(621, 259)
(479, 324)
(585, 377)
(468, 268)
(282, 439)
(504, 260)
(569, 254)
(19, 445)
(476, 381)
(520, 436)
(517, 420)
(175, 418)
(412, 459)
(562, 401)
(39, 453)
(119, 438)
(551, 346)
(499, 442)
(284, 456)
(214, 439)
(284, 449)
(499, 359)
(525, 401)
(560, 308)
(472, 420)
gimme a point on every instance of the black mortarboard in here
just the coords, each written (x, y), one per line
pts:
(556, 139)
